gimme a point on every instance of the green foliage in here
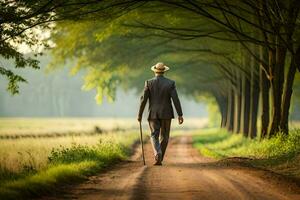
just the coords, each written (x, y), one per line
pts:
(26, 23)
(270, 153)
(103, 152)
(117, 54)
(13, 79)
(16, 24)
(20, 61)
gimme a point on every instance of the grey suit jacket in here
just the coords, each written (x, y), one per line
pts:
(160, 90)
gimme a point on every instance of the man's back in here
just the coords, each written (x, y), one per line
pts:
(160, 90)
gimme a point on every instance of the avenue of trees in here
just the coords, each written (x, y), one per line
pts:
(243, 53)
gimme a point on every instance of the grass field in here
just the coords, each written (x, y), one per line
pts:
(51, 127)
(36, 165)
(17, 154)
(280, 153)
(39, 126)
(38, 154)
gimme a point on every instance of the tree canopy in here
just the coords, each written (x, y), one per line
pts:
(237, 52)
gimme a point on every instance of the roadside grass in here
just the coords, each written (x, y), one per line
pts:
(280, 153)
(18, 156)
(64, 164)
(47, 180)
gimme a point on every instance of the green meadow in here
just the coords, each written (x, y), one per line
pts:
(32, 166)
(280, 153)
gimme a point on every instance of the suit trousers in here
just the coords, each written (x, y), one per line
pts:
(160, 131)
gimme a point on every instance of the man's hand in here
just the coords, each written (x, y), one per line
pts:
(180, 119)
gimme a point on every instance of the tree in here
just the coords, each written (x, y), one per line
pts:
(266, 32)
(23, 22)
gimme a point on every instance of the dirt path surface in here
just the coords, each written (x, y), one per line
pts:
(184, 175)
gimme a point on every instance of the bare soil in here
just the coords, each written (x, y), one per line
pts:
(184, 175)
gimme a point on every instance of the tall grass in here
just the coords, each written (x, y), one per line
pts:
(31, 167)
(46, 181)
(17, 153)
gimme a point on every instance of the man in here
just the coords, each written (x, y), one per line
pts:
(160, 90)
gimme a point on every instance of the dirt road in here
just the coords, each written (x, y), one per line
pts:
(184, 175)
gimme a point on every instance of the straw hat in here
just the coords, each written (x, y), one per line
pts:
(160, 67)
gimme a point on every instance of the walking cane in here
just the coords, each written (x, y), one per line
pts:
(142, 143)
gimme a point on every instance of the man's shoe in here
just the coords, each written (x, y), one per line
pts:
(158, 159)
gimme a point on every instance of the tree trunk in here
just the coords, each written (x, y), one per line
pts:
(288, 91)
(254, 92)
(230, 111)
(265, 92)
(238, 107)
(222, 104)
(245, 106)
(225, 111)
(277, 89)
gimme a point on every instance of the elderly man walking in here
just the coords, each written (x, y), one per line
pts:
(160, 91)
